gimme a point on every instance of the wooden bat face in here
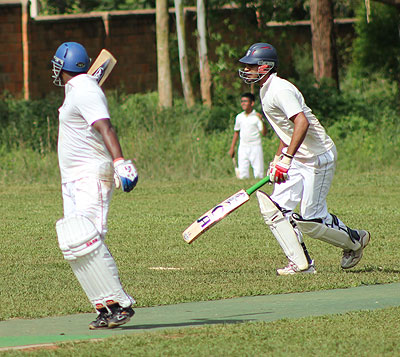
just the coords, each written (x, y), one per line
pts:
(102, 66)
(214, 215)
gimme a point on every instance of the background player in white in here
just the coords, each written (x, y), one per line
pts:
(249, 126)
(89, 156)
(302, 169)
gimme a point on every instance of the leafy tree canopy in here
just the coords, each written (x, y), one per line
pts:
(277, 10)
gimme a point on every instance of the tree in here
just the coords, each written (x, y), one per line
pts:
(163, 61)
(183, 61)
(205, 73)
(323, 41)
(377, 45)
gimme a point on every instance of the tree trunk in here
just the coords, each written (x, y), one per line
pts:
(183, 61)
(205, 74)
(163, 61)
(323, 41)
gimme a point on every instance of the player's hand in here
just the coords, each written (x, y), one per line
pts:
(272, 165)
(279, 173)
(125, 175)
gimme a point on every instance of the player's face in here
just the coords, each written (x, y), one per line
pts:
(247, 104)
(252, 70)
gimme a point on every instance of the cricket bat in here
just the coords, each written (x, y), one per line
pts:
(220, 211)
(102, 66)
(237, 172)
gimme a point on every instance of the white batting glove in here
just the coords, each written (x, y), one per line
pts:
(279, 173)
(125, 174)
(272, 165)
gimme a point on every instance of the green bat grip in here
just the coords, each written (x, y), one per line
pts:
(255, 187)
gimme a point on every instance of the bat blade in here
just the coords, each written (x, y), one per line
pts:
(102, 66)
(214, 215)
(237, 172)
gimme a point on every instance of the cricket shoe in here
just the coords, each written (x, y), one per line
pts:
(292, 269)
(352, 257)
(101, 319)
(120, 316)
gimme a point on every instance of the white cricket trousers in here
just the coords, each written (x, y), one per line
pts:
(97, 275)
(250, 156)
(88, 197)
(308, 184)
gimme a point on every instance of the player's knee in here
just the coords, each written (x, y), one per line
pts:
(77, 236)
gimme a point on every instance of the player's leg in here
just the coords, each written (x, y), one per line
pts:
(243, 162)
(288, 194)
(85, 225)
(317, 222)
(257, 161)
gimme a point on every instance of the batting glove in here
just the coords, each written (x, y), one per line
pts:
(125, 174)
(272, 165)
(279, 173)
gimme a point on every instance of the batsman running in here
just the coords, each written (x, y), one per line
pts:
(90, 159)
(302, 170)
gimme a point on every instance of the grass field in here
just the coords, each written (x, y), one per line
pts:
(238, 257)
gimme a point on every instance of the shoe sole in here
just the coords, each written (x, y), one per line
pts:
(120, 323)
(297, 272)
(116, 324)
(361, 255)
(97, 328)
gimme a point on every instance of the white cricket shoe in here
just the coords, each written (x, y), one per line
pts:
(352, 257)
(292, 269)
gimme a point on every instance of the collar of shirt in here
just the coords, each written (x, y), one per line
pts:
(75, 81)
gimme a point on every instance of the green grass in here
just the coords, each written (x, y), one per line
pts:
(237, 257)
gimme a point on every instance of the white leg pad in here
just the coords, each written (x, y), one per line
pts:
(98, 276)
(91, 261)
(282, 230)
(337, 236)
(77, 236)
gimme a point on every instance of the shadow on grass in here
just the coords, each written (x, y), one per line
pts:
(373, 269)
(194, 322)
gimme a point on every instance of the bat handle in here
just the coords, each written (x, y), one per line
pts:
(259, 184)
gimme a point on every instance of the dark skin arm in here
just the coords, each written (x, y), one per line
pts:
(104, 127)
(301, 125)
(264, 129)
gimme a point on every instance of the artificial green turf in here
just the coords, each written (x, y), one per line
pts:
(364, 333)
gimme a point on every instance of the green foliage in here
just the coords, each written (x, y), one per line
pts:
(179, 142)
(377, 46)
(29, 124)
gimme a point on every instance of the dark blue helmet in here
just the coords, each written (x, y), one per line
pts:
(262, 54)
(71, 57)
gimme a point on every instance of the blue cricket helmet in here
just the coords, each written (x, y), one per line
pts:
(71, 57)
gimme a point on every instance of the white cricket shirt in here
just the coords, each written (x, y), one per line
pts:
(250, 126)
(81, 149)
(280, 101)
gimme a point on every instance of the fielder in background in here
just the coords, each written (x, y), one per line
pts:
(89, 155)
(249, 126)
(302, 169)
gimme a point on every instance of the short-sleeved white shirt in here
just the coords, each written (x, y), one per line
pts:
(249, 126)
(281, 100)
(81, 149)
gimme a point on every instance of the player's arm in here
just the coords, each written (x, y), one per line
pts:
(104, 127)
(125, 171)
(279, 170)
(233, 145)
(301, 125)
(264, 127)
